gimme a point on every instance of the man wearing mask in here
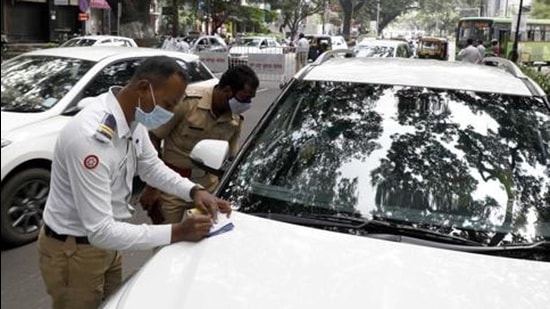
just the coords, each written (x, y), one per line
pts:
(212, 113)
(96, 157)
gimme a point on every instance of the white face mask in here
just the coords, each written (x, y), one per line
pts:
(154, 119)
(238, 107)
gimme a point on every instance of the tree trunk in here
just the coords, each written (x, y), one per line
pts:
(346, 27)
(175, 18)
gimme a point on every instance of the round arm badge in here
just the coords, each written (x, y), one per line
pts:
(91, 161)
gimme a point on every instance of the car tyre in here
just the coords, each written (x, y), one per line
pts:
(23, 199)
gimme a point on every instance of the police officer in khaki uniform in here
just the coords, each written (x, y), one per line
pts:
(96, 157)
(206, 113)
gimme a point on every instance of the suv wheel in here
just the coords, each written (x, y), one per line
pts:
(23, 199)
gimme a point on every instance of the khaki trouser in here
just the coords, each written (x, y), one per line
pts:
(301, 60)
(76, 275)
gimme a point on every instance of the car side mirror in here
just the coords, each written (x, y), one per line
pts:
(211, 156)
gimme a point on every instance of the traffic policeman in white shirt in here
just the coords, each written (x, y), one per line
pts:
(96, 157)
(302, 50)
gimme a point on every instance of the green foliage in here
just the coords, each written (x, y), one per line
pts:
(541, 9)
(541, 78)
(294, 12)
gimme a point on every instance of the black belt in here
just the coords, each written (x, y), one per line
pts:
(82, 240)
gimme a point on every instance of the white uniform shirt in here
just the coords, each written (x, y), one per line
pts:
(470, 54)
(92, 175)
(481, 49)
(302, 45)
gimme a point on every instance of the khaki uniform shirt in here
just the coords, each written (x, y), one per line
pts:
(194, 121)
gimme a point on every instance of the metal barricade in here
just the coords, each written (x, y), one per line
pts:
(274, 64)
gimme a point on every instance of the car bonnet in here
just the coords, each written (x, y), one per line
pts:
(14, 120)
(268, 264)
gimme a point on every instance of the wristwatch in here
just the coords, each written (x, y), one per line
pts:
(194, 190)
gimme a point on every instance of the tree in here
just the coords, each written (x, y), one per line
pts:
(390, 10)
(294, 12)
(436, 16)
(541, 9)
(348, 7)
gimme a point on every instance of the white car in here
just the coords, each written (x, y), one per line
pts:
(40, 92)
(100, 40)
(207, 43)
(376, 183)
(383, 49)
(238, 53)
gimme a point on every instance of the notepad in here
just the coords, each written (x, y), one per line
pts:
(223, 225)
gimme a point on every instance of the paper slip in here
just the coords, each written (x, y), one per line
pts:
(224, 224)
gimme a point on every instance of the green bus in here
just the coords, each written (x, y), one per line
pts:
(533, 46)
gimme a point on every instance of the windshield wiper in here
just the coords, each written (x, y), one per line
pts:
(373, 227)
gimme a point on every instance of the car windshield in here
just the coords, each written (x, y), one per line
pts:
(78, 42)
(248, 42)
(36, 83)
(196, 70)
(375, 51)
(466, 164)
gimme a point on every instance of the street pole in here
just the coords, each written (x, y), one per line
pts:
(377, 17)
(481, 13)
(515, 56)
(324, 13)
(118, 15)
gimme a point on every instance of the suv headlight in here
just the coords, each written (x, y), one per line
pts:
(5, 142)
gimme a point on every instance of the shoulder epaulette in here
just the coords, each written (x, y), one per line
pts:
(193, 96)
(106, 129)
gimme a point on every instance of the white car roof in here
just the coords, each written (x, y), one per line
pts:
(100, 37)
(98, 53)
(381, 43)
(420, 73)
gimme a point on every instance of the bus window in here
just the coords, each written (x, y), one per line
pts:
(482, 33)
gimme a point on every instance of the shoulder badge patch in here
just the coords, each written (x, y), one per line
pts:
(106, 129)
(91, 161)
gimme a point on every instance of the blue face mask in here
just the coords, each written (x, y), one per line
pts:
(157, 117)
(238, 107)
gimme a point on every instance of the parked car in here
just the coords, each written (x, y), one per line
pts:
(243, 46)
(376, 183)
(40, 92)
(320, 43)
(206, 43)
(383, 48)
(100, 40)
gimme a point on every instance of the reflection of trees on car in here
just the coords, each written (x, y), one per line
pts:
(308, 143)
(472, 165)
(36, 83)
(421, 172)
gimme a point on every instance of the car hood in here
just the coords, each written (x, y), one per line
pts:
(13, 120)
(268, 264)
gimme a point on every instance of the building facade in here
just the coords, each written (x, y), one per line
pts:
(40, 21)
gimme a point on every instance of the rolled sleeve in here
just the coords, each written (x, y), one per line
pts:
(131, 236)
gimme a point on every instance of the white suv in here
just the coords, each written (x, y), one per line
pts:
(377, 183)
(40, 92)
